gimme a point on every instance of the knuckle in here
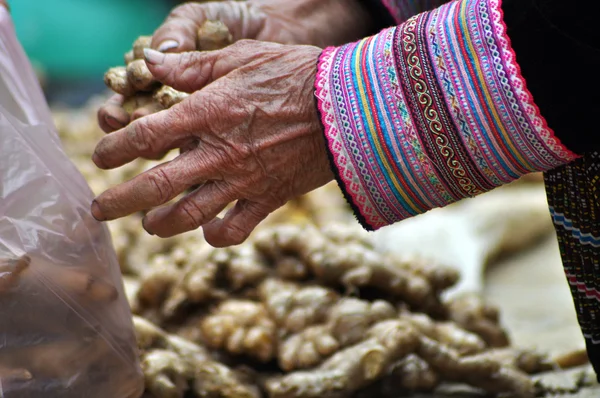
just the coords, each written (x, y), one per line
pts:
(183, 11)
(161, 184)
(236, 233)
(193, 215)
(192, 71)
(141, 137)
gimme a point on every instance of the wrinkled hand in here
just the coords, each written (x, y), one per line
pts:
(316, 22)
(256, 138)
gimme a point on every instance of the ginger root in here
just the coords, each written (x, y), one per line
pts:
(241, 327)
(134, 79)
(165, 374)
(447, 333)
(116, 79)
(295, 307)
(351, 369)
(167, 96)
(213, 35)
(10, 271)
(347, 323)
(409, 374)
(480, 370)
(139, 45)
(188, 361)
(471, 313)
(140, 76)
(352, 265)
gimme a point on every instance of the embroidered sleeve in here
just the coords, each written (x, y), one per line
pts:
(429, 112)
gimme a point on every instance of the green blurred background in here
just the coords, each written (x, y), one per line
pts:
(73, 42)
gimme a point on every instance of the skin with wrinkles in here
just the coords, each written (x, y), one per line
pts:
(254, 133)
(319, 23)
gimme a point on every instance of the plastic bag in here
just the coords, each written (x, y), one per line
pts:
(65, 324)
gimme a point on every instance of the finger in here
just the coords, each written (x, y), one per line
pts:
(179, 31)
(190, 212)
(237, 225)
(191, 71)
(146, 137)
(112, 116)
(152, 188)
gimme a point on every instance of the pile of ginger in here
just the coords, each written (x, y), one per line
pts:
(306, 312)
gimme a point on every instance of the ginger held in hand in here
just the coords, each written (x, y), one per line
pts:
(135, 80)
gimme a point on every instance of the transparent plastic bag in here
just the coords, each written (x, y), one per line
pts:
(65, 325)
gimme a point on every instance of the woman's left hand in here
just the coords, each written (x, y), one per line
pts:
(256, 135)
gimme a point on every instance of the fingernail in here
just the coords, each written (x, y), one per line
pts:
(153, 57)
(114, 123)
(144, 220)
(98, 162)
(96, 212)
(167, 45)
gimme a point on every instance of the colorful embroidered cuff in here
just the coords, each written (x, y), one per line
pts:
(402, 10)
(430, 112)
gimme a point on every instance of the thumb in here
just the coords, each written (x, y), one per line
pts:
(191, 71)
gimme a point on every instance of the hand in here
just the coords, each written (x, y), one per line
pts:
(316, 22)
(256, 136)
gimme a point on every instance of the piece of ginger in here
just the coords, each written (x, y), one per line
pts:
(10, 270)
(140, 76)
(347, 323)
(352, 265)
(528, 361)
(244, 267)
(480, 370)
(471, 313)
(213, 35)
(410, 374)
(241, 327)
(206, 377)
(351, 369)
(448, 333)
(167, 96)
(165, 373)
(295, 307)
(139, 45)
(116, 79)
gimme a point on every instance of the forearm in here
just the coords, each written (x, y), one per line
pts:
(430, 112)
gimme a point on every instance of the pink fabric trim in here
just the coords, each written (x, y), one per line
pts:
(332, 135)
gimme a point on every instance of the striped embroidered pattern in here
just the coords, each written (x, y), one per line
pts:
(573, 197)
(430, 112)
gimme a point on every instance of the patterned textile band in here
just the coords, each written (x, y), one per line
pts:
(430, 112)
(574, 201)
